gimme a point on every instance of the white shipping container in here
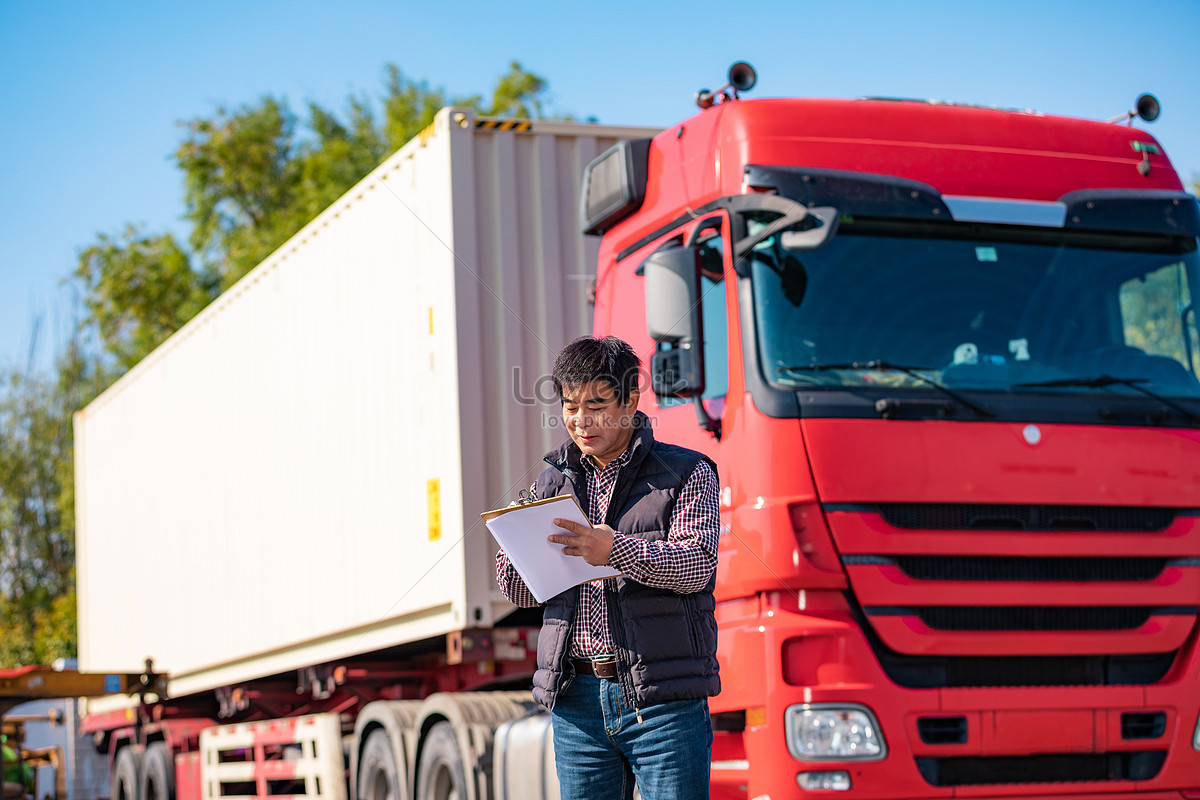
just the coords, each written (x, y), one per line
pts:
(296, 476)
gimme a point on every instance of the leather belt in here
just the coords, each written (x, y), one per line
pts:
(601, 669)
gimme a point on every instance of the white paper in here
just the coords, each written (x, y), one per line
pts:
(523, 530)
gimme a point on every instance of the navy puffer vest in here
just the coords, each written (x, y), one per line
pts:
(666, 642)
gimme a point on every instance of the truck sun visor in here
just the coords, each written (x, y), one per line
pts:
(854, 193)
(614, 185)
(1132, 210)
(1141, 211)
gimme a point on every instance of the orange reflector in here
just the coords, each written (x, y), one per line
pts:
(756, 716)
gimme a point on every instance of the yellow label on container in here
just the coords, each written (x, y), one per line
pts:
(433, 502)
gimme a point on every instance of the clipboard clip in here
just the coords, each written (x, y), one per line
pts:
(525, 496)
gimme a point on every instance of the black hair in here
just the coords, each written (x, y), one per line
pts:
(607, 359)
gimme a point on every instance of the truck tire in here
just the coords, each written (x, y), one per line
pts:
(378, 777)
(441, 775)
(158, 774)
(124, 782)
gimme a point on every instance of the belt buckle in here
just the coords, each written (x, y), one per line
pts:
(606, 668)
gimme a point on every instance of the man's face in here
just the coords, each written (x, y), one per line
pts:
(601, 426)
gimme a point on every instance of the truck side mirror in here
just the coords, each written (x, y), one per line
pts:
(673, 320)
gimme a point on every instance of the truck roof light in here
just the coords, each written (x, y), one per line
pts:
(614, 185)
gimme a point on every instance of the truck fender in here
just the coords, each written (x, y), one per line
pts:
(523, 765)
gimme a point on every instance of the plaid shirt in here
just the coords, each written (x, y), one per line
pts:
(683, 562)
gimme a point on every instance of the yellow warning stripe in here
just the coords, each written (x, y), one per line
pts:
(497, 124)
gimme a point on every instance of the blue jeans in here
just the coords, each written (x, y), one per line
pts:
(600, 747)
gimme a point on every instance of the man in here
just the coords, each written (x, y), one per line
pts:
(626, 665)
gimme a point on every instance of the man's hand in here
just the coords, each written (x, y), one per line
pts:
(593, 544)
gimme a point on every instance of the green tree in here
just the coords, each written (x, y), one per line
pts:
(240, 177)
(1151, 309)
(37, 501)
(255, 176)
(409, 108)
(518, 94)
(338, 158)
(138, 290)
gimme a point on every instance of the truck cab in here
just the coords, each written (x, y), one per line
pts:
(946, 361)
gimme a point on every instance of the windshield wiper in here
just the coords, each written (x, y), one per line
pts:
(1101, 381)
(887, 366)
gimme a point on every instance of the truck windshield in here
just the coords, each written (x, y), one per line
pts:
(979, 307)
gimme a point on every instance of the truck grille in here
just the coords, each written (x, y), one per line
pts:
(930, 612)
(956, 672)
(1143, 725)
(942, 730)
(1030, 618)
(974, 771)
(1016, 568)
(971, 516)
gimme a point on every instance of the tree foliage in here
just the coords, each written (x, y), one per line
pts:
(239, 174)
(518, 94)
(409, 107)
(139, 290)
(1151, 311)
(253, 176)
(37, 507)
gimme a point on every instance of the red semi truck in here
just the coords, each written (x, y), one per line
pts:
(944, 356)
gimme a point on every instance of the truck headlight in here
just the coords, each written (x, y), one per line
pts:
(833, 732)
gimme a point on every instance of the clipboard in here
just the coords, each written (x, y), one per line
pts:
(522, 530)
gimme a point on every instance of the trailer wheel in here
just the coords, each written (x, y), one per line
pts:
(441, 775)
(378, 777)
(124, 784)
(158, 773)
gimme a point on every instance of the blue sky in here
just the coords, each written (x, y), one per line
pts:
(92, 91)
